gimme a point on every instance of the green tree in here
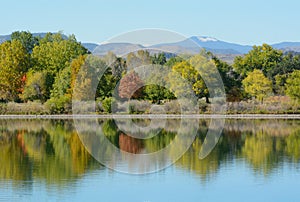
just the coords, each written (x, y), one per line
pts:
(156, 93)
(108, 103)
(116, 64)
(52, 37)
(257, 85)
(230, 79)
(106, 84)
(62, 83)
(159, 59)
(26, 39)
(264, 58)
(14, 63)
(288, 64)
(281, 71)
(293, 85)
(173, 60)
(60, 99)
(55, 53)
(159, 86)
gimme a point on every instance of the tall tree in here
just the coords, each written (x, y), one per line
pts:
(230, 79)
(281, 72)
(55, 53)
(76, 66)
(264, 58)
(14, 62)
(62, 83)
(188, 73)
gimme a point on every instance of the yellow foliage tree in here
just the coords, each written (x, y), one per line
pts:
(257, 85)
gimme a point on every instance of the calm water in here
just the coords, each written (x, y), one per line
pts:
(254, 160)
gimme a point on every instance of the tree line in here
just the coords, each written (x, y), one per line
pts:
(47, 69)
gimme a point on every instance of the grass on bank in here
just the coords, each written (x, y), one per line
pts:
(271, 105)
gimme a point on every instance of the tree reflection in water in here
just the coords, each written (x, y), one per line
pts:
(51, 150)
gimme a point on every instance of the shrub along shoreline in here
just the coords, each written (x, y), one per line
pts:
(156, 116)
(273, 106)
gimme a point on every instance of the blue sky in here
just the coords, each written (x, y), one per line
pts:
(245, 22)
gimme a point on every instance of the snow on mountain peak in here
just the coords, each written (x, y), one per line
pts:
(206, 39)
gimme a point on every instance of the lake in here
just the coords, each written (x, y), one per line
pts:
(49, 160)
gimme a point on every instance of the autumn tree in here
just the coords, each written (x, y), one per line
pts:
(194, 71)
(130, 86)
(91, 78)
(14, 63)
(36, 87)
(75, 66)
(257, 85)
(210, 83)
(85, 72)
(184, 71)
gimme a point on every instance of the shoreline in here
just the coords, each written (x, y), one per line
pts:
(156, 116)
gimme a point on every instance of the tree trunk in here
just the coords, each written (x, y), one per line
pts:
(207, 99)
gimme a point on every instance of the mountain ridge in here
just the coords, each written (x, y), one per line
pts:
(190, 45)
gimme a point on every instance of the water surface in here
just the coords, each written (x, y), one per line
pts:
(254, 160)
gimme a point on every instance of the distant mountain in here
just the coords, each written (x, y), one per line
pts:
(195, 43)
(90, 46)
(288, 46)
(4, 38)
(117, 48)
(191, 45)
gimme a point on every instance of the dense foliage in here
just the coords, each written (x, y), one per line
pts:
(53, 69)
